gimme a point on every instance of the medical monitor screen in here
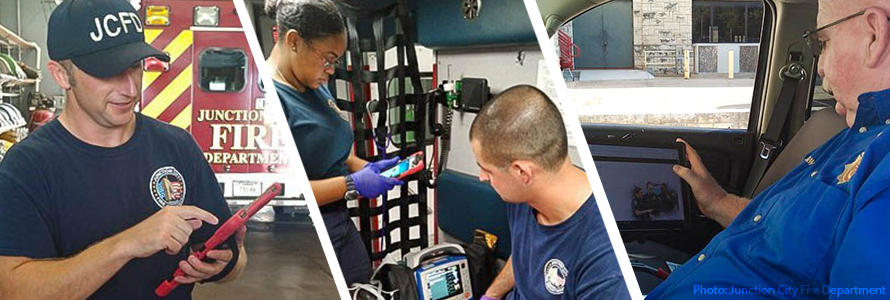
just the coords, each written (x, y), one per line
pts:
(444, 283)
(643, 191)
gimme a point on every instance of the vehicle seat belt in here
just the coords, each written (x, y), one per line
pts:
(771, 142)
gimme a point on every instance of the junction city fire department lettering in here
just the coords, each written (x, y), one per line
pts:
(256, 135)
(243, 130)
(229, 115)
(245, 158)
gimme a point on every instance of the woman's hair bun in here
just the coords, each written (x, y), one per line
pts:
(272, 8)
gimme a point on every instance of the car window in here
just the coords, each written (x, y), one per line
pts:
(626, 61)
(821, 98)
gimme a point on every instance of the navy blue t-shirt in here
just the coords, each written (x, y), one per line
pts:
(324, 141)
(59, 195)
(570, 260)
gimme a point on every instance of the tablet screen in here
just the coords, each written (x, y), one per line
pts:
(397, 170)
(643, 191)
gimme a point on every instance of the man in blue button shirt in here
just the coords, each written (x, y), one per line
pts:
(560, 246)
(822, 230)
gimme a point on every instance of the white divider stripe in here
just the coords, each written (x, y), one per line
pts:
(296, 165)
(575, 127)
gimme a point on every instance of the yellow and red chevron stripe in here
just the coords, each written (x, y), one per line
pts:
(167, 95)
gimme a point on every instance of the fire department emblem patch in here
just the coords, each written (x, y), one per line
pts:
(555, 274)
(333, 105)
(167, 187)
(849, 170)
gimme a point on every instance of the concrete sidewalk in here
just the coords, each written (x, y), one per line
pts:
(708, 100)
(704, 101)
(710, 80)
(661, 100)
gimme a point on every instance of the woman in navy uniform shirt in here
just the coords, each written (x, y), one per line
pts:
(312, 38)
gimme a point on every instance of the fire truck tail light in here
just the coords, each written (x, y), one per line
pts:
(152, 64)
(275, 34)
(206, 16)
(157, 15)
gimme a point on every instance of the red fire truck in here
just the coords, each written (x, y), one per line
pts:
(211, 87)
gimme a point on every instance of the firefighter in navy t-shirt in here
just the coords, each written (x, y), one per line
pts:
(103, 203)
(560, 246)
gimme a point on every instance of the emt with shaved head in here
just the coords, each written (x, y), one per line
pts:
(560, 246)
(822, 230)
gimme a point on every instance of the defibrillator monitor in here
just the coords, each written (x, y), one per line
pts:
(642, 189)
(444, 278)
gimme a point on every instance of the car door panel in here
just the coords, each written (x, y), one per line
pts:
(727, 154)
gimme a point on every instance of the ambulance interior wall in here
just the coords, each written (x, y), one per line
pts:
(425, 60)
(35, 16)
(503, 69)
(501, 66)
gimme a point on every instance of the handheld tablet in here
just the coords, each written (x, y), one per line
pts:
(643, 191)
(222, 234)
(408, 166)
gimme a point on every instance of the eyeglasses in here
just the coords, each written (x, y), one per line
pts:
(328, 65)
(812, 36)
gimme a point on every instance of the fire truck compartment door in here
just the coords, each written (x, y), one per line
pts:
(222, 101)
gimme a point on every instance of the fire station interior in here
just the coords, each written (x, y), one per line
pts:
(20, 76)
(739, 156)
(461, 58)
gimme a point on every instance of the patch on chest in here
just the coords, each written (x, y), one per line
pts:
(333, 105)
(167, 187)
(849, 170)
(555, 274)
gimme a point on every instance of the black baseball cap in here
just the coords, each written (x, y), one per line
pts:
(102, 37)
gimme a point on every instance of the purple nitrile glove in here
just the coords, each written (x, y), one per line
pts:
(368, 181)
(487, 298)
(383, 165)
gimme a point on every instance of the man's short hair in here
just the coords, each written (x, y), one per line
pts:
(521, 123)
(68, 65)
